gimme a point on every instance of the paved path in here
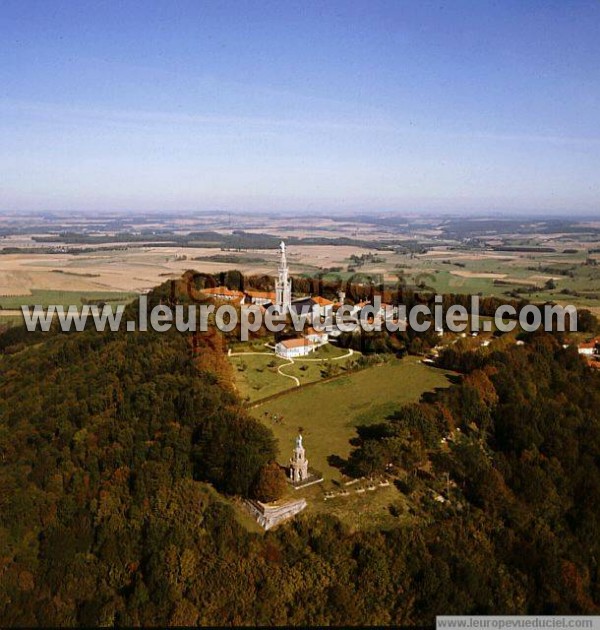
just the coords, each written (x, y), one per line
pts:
(343, 356)
(290, 362)
(240, 354)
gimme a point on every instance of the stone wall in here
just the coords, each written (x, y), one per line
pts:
(268, 515)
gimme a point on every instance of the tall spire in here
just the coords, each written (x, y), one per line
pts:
(282, 258)
(283, 285)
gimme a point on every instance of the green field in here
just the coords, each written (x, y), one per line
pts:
(10, 306)
(64, 298)
(329, 412)
(10, 320)
(256, 376)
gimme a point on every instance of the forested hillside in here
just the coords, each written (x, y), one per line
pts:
(114, 449)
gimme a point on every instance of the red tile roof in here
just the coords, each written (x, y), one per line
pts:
(321, 301)
(267, 295)
(296, 343)
(222, 291)
(590, 344)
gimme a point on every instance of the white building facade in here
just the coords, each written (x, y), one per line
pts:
(319, 338)
(291, 348)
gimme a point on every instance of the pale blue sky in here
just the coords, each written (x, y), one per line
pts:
(300, 106)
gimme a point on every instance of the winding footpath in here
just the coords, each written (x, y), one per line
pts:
(239, 354)
(343, 356)
(290, 362)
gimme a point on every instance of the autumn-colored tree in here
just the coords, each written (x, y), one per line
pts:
(270, 483)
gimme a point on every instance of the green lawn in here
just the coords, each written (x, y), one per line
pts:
(256, 375)
(329, 360)
(329, 412)
(10, 320)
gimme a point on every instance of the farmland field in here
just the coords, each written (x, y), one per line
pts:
(10, 306)
(538, 260)
(46, 298)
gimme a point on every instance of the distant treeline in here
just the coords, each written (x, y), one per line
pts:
(237, 240)
(75, 251)
(523, 248)
(478, 227)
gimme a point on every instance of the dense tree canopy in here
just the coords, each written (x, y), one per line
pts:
(116, 451)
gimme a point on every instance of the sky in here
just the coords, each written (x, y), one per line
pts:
(300, 107)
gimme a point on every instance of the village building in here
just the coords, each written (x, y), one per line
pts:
(303, 306)
(223, 293)
(389, 312)
(318, 337)
(590, 348)
(322, 307)
(261, 298)
(355, 309)
(291, 348)
(590, 351)
(313, 307)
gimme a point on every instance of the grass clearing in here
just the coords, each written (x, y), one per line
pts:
(359, 510)
(329, 412)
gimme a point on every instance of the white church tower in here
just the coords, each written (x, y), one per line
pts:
(283, 285)
(298, 463)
